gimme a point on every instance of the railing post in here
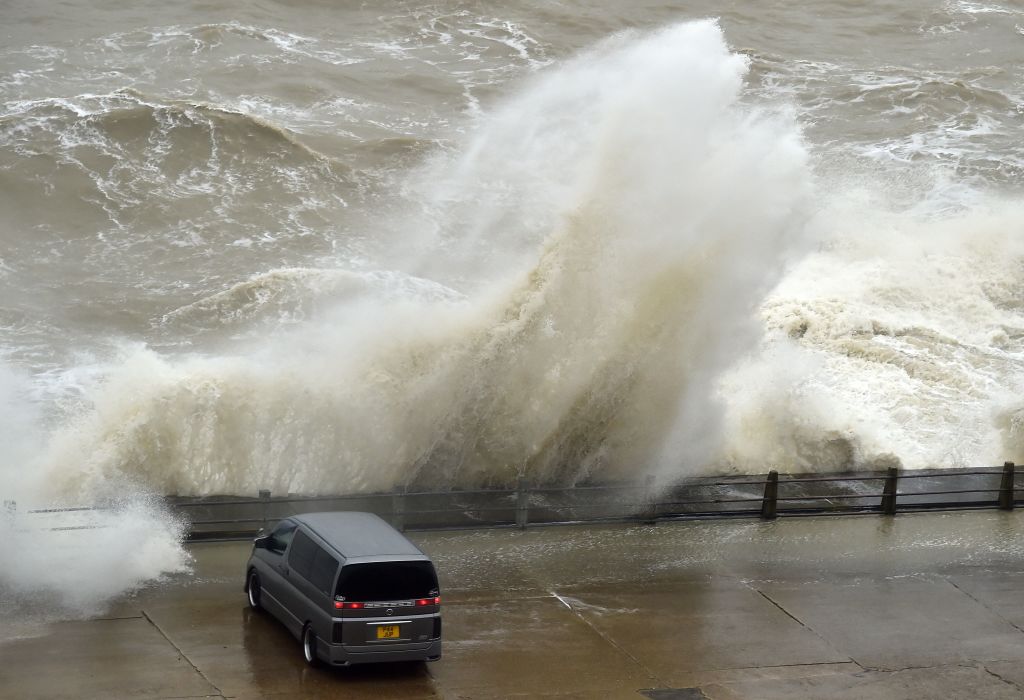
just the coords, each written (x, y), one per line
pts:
(889, 491)
(522, 502)
(398, 509)
(264, 507)
(650, 505)
(1006, 495)
(770, 502)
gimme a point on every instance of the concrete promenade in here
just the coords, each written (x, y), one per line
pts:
(928, 605)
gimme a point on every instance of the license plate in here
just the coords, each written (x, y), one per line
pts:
(387, 631)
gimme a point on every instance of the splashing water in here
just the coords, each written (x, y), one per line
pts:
(610, 229)
(59, 564)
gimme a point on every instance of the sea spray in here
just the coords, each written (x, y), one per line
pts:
(634, 216)
(58, 559)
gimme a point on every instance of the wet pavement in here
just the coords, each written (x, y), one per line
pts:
(928, 605)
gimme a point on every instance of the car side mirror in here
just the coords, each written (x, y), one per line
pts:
(262, 542)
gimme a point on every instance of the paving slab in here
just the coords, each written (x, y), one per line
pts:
(1009, 671)
(675, 630)
(530, 648)
(945, 682)
(110, 658)
(897, 623)
(245, 653)
(1002, 592)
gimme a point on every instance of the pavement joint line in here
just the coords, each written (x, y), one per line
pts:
(923, 667)
(787, 613)
(796, 665)
(113, 619)
(563, 601)
(1012, 684)
(219, 693)
(806, 627)
(653, 676)
(984, 605)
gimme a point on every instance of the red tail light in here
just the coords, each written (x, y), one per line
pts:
(341, 605)
(436, 600)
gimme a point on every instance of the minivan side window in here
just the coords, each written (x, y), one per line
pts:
(312, 562)
(300, 557)
(324, 568)
(281, 536)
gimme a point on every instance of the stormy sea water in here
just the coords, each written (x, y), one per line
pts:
(317, 248)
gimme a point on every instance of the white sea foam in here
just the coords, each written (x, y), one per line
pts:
(957, 119)
(897, 342)
(511, 35)
(980, 8)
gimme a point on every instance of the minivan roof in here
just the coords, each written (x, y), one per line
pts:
(356, 534)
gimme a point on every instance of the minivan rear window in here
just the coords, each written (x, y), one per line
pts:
(390, 580)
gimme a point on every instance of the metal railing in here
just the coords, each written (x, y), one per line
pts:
(768, 497)
(10, 515)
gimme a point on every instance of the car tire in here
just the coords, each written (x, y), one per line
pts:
(309, 646)
(254, 591)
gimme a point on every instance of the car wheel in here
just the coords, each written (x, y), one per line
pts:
(254, 590)
(309, 646)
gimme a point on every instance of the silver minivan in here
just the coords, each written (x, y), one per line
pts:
(349, 586)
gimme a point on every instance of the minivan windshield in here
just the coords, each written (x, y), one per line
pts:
(389, 580)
